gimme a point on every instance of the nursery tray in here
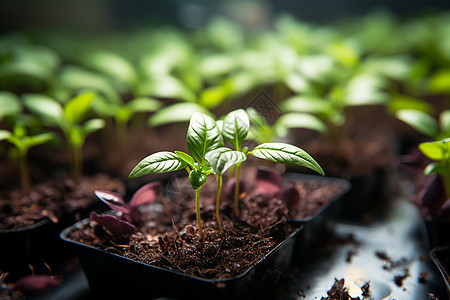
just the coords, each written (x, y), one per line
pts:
(400, 234)
(23, 246)
(111, 275)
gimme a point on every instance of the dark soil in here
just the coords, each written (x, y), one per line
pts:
(339, 292)
(168, 235)
(315, 195)
(358, 156)
(52, 199)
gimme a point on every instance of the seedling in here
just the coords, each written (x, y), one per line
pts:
(435, 197)
(23, 142)
(425, 123)
(128, 215)
(205, 144)
(69, 118)
(203, 135)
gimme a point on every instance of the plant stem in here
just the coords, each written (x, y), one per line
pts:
(24, 172)
(197, 212)
(236, 190)
(121, 134)
(77, 162)
(219, 191)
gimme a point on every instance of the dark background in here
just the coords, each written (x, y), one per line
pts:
(105, 15)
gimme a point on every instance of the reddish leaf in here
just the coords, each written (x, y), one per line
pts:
(268, 182)
(147, 194)
(113, 225)
(113, 200)
(290, 197)
(36, 283)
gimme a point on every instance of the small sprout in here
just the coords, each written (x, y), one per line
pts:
(129, 214)
(203, 136)
(70, 119)
(23, 142)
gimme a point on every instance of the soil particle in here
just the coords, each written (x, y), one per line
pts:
(339, 292)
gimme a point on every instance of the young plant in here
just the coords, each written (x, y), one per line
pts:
(236, 127)
(129, 214)
(69, 118)
(425, 123)
(23, 142)
(436, 196)
(203, 135)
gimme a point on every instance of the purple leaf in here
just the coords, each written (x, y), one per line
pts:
(414, 161)
(268, 182)
(113, 200)
(113, 224)
(147, 194)
(290, 197)
(434, 196)
(36, 283)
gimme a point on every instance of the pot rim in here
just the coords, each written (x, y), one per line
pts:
(65, 232)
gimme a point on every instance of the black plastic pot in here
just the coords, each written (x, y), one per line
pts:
(112, 276)
(370, 193)
(23, 246)
(317, 225)
(37, 245)
(441, 257)
(438, 232)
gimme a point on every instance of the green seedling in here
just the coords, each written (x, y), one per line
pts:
(425, 123)
(439, 152)
(69, 118)
(207, 155)
(236, 127)
(23, 142)
(203, 135)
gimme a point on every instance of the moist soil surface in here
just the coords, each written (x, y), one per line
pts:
(167, 235)
(53, 199)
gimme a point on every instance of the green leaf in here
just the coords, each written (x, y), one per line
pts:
(93, 125)
(160, 162)
(420, 121)
(203, 135)
(309, 104)
(112, 64)
(399, 102)
(9, 104)
(437, 150)
(76, 109)
(286, 154)
(45, 107)
(439, 81)
(300, 120)
(433, 168)
(179, 112)
(223, 158)
(39, 139)
(444, 122)
(236, 126)
(197, 179)
(4, 134)
(76, 78)
(144, 104)
(186, 158)
(212, 96)
(167, 87)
